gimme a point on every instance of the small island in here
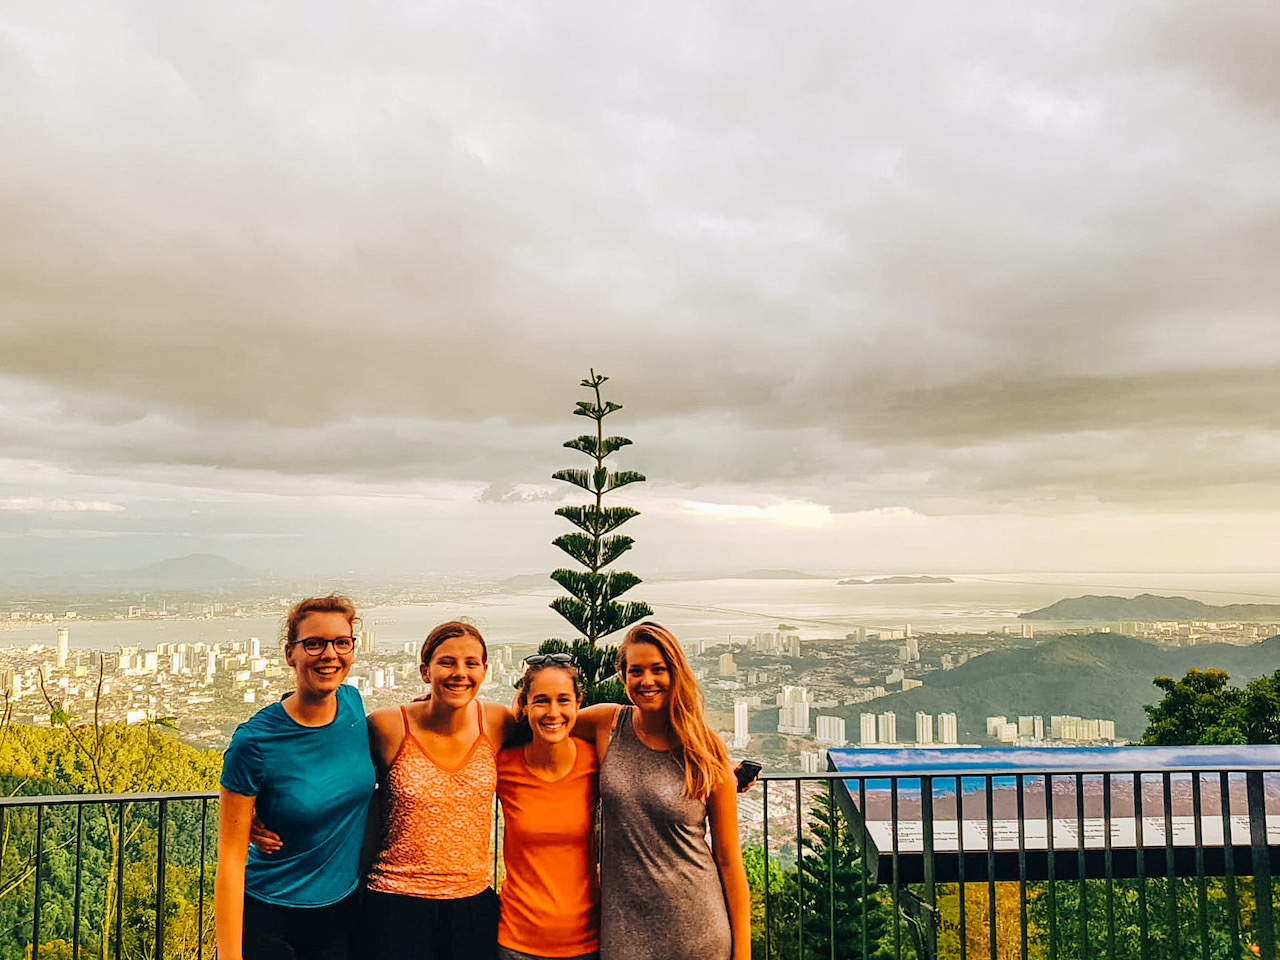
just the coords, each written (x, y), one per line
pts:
(846, 583)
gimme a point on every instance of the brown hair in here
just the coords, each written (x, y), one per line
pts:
(447, 631)
(333, 603)
(702, 753)
(523, 733)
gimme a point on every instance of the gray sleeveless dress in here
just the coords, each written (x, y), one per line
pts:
(660, 892)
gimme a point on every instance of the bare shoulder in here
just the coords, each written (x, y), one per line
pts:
(498, 721)
(386, 719)
(386, 729)
(595, 721)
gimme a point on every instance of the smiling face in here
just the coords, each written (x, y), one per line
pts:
(551, 704)
(321, 675)
(648, 679)
(455, 671)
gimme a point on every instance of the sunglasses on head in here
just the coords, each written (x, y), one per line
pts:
(540, 658)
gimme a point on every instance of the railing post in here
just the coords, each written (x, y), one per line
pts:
(964, 935)
(1022, 862)
(1202, 893)
(161, 811)
(1050, 871)
(1108, 866)
(75, 909)
(120, 883)
(1170, 871)
(897, 879)
(35, 911)
(1082, 929)
(866, 858)
(800, 871)
(1141, 864)
(768, 913)
(832, 833)
(1229, 858)
(930, 885)
(204, 819)
(1266, 935)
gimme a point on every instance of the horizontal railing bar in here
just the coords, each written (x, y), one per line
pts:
(66, 799)
(977, 772)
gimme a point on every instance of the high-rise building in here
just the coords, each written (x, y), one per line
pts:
(727, 667)
(947, 732)
(64, 646)
(793, 710)
(831, 731)
(1026, 726)
(741, 725)
(867, 731)
(367, 642)
(255, 648)
(888, 727)
(924, 727)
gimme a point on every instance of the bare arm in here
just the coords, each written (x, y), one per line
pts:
(235, 811)
(499, 722)
(722, 808)
(595, 725)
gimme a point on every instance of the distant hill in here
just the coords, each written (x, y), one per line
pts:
(195, 569)
(1150, 607)
(1101, 675)
(843, 583)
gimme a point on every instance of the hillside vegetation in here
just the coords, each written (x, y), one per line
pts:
(1096, 675)
(1148, 606)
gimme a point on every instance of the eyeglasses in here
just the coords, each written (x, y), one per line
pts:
(315, 645)
(540, 658)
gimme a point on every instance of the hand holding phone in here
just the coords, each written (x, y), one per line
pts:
(745, 773)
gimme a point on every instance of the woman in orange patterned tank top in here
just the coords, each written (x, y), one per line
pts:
(428, 889)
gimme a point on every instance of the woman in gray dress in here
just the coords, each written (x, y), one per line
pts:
(664, 775)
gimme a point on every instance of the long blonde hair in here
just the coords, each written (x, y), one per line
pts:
(705, 759)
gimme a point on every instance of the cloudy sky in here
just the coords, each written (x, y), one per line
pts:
(882, 286)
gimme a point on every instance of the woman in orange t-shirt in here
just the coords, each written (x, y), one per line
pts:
(548, 784)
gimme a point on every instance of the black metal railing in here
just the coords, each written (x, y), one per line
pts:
(1151, 864)
(112, 876)
(1060, 864)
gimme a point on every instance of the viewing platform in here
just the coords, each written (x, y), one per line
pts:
(1132, 852)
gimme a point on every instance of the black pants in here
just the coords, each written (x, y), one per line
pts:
(272, 932)
(397, 927)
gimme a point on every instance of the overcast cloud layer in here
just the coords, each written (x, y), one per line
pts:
(912, 285)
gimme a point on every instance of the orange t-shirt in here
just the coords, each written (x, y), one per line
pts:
(551, 895)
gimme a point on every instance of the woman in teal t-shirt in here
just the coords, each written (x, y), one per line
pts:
(302, 766)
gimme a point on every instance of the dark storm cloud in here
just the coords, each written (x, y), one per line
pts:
(933, 255)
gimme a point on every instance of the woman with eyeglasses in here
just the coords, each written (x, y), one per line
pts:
(548, 785)
(302, 766)
(666, 894)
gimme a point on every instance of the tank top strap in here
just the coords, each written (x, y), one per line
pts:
(480, 716)
(404, 715)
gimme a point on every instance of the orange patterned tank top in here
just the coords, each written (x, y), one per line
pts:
(438, 821)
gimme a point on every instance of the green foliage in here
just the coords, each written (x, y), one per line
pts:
(592, 607)
(1135, 904)
(1203, 708)
(825, 894)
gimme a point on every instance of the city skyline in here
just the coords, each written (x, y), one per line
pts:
(880, 289)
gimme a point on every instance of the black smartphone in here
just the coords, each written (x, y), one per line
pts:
(745, 772)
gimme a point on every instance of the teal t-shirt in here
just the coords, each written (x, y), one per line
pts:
(313, 786)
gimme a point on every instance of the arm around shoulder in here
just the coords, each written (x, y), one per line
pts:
(726, 849)
(595, 722)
